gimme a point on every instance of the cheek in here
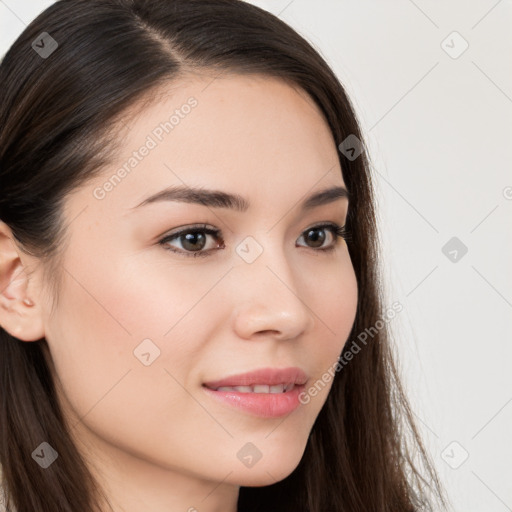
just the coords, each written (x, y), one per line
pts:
(101, 382)
(90, 347)
(336, 303)
(94, 332)
(128, 316)
(335, 312)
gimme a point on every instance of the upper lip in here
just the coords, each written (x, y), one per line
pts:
(264, 376)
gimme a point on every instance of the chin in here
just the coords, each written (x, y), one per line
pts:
(275, 468)
(261, 479)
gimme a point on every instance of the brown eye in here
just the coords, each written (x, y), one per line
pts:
(192, 240)
(316, 236)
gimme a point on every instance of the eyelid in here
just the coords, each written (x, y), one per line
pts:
(337, 230)
(192, 228)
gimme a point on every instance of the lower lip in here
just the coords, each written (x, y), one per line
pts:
(266, 405)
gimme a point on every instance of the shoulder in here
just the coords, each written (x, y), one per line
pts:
(2, 493)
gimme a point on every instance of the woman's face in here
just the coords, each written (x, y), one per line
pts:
(141, 324)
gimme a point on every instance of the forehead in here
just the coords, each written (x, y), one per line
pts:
(249, 134)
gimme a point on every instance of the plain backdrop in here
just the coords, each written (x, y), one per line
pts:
(432, 85)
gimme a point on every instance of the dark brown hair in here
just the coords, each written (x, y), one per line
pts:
(59, 118)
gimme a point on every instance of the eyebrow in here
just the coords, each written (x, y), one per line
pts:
(220, 199)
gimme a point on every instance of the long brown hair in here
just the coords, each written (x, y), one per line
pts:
(59, 114)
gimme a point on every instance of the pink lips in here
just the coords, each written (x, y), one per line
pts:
(268, 376)
(267, 405)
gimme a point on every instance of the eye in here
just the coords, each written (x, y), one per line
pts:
(315, 235)
(193, 239)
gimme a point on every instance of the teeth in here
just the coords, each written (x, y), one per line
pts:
(244, 389)
(258, 388)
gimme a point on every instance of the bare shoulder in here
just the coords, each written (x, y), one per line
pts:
(2, 493)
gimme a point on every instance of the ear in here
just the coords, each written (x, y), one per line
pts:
(20, 309)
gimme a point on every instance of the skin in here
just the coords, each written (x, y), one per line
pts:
(152, 437)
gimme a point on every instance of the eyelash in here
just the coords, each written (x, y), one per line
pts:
(336, 230)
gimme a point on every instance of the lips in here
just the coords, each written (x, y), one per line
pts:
(266, 393)
(262, 377)
(258, 388)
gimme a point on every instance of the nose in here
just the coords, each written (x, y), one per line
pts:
(270, 299)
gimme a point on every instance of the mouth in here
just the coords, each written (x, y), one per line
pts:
(257, 388)
(267, 393)
(263, 380)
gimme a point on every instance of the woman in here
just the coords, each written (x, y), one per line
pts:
(188, 258)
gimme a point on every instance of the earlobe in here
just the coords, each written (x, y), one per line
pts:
(19, 315)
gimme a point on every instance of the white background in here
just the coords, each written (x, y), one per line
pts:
(440, 136)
